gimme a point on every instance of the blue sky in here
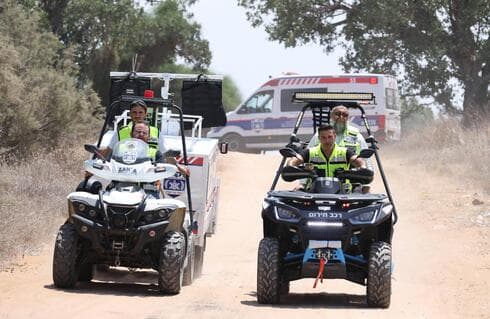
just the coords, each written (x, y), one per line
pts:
(245, 54)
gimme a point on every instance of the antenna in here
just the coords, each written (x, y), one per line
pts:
(133, 65)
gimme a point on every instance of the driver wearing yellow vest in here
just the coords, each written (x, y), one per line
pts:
(328, 155)
(347, 135)
(142, 131)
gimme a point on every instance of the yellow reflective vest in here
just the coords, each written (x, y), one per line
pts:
(337, 159)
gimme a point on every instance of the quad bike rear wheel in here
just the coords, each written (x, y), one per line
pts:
(170, 272)
(268, 271)
(66, 254)
(379, 275)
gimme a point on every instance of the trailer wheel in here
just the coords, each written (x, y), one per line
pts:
(65, 258)
(189, 274)
(170, 272)
(379, 275)
(268, 271)
(235, 142)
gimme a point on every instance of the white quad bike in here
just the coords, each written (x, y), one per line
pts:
(126, 223)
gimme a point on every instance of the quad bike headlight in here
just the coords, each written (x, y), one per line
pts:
(157, 215)
(285, 213)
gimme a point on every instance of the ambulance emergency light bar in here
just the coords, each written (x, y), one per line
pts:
(333, 96)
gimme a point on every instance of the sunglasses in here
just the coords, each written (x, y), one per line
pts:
(339, 114)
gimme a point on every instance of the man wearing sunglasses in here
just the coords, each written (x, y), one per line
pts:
(347, 135)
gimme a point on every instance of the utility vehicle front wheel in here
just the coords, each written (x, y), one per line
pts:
(170, 272)
(66, 253)
(379, 275)
(268, 271)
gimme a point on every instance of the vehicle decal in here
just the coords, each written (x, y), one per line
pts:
(192, 160)
(175, 185)
(373, 80)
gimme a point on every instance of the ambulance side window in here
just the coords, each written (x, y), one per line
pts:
(258, 103)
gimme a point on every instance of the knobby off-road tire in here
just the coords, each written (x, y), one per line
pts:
(268, 271)
(66, 250)
(379, 275)
(170, 272)
(189, 269)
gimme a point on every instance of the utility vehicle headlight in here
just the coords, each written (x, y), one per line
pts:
(385, 210)
(285, 213)
(364, 217)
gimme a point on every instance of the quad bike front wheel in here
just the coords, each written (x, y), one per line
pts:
(268, 271)
(170, 272)
(379, 275)
(66, 254)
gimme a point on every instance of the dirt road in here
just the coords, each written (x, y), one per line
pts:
(441, 256)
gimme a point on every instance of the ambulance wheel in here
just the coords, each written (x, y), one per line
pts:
(235, 143)
(379, 275)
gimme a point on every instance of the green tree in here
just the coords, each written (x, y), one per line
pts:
(414, 115)
(435, 46)
(108, 34)
(40, 102)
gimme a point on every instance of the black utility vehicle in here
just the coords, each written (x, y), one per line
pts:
(326, 231)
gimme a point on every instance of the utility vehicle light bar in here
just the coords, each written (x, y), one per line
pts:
(331, 96)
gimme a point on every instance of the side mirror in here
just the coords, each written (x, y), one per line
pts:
(223, 147)
(288, 152)
(172, 153)
(366, 153)
(91, 148)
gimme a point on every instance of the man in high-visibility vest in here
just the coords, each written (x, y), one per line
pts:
(142, 131)
(328, 155)
(137, 112)
(347, 135)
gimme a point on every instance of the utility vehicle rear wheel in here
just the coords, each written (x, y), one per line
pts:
(379, 275)
(170, 272)
(189, 269)
(235, 143)
(66, 253)
(268, 271)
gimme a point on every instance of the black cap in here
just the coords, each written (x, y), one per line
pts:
(138, 103)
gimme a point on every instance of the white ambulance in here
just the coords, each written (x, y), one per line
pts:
(265, 119)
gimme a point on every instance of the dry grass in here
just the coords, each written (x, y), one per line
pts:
(33, 199)
(448, 149)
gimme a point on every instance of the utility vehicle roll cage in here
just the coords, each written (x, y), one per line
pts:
(321, 104)
(158, 106)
